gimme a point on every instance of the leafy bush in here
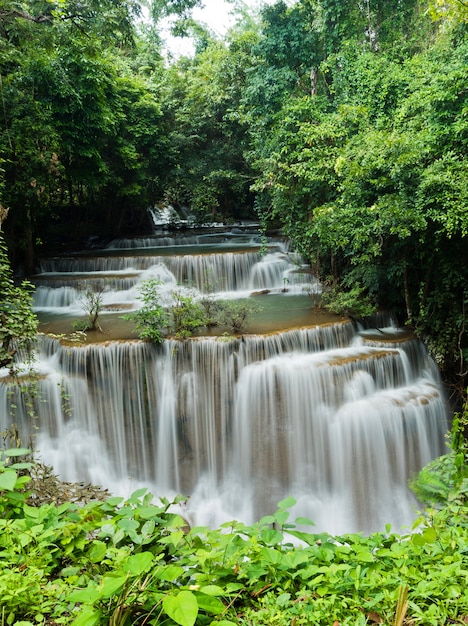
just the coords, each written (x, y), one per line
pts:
(152, 318)
(181, 319)
(18, 323)
(186, 315)
(350, 303)
(446, 477)
(235, 315)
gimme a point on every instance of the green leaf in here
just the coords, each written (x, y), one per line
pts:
(271, 536)
(149, 512)
(182, 608)
(209, 603)
(429, 535)
(283, 599)
(137, 564)
(128, 524)
(112, 585)
(17, 452)
(170, 573)
(305, 521)
(97, 551)
(87, 617)
(88, 595)
(114, 501)
(8, 480)
(212, 590)
(136, 495)
(287, 503)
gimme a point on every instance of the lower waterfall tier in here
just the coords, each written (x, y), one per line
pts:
(338, 422)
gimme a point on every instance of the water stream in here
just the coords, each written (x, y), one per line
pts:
(336, 416)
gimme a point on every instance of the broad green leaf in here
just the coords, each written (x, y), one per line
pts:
(429, 535)
(137, 564)
(182, 608)
(85, 596)
(271, 536)
(136, 495)
(174, 538)
(287, 503)
(304, 521)
(128, 524)
(210, 604)
(20, 466)
(212, 590)
(148, 528)
(281, 517)
(114, 501)
(17, 452)
(170, 573)
(8, 480)
(31, 511)
(87, 617)
(97, 551)
(283, 599)
(112, 585)
(364, 556)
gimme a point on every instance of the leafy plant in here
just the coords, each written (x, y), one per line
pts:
(350, 303)
(130, 561)
(152, 318)
(186, 314)
(446, 478)
(13, 480)
(18, 323)
(235, 315)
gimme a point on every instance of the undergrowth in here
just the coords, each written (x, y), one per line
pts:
(128, 562)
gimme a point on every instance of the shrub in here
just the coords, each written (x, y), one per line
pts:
(352, 303)
(235, 315)
(152, 318)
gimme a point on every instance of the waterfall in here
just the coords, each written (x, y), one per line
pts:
(316, 413)
(338, 417)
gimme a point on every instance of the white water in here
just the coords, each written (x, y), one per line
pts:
(63, 282)
(329, 416)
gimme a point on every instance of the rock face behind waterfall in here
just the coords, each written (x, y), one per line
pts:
(338, 420)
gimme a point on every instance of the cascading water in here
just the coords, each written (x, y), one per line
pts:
(336, 418)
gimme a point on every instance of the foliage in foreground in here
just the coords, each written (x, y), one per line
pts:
(128, 562)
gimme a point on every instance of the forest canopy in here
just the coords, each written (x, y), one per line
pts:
(344, 124)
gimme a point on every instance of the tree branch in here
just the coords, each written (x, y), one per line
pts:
(38, 19)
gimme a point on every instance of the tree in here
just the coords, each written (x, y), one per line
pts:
(368, 178)
(80, 135)
(209, 172)
(18, 324)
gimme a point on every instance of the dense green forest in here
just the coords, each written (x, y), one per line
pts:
(344, 124)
